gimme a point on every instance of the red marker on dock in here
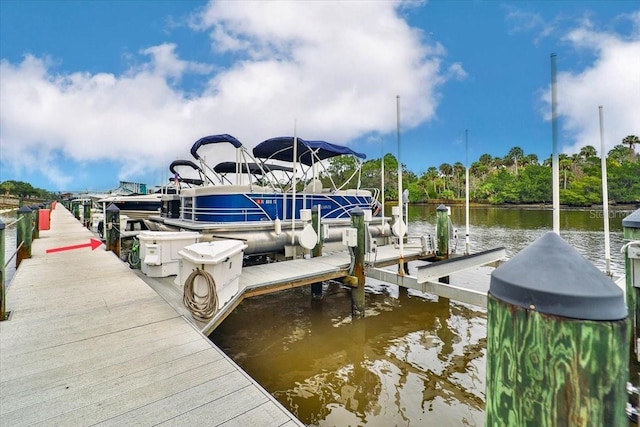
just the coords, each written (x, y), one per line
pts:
(94, 243)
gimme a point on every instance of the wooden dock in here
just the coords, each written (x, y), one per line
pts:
(469, 286)
(277, 276)
(88, 342)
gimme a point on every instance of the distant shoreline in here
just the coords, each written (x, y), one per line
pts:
(537, 206)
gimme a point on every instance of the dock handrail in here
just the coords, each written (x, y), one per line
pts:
(3, 264)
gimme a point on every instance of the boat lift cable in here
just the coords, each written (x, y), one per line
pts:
(202, 307)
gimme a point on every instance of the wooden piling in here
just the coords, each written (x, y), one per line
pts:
(87, 214)
(557, 347)
(35, 216)
(24, 234)
(316, 288)
(631, 233)
(3, 292)
(357, 292)
(76, 209)
(112, 229)
(442, 232)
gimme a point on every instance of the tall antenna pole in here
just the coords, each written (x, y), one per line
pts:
(382, 183)
(467, 245)
(605, 197)
(400, 216)
(554, 160)
(295, 171)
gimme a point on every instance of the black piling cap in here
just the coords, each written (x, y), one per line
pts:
(441, 208)
(1, 225)
(357, 211)
(632, 221)
(24, 210)
(551, 277)
(113, 208)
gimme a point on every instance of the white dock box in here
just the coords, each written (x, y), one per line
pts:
(222, 259)
(159, 251)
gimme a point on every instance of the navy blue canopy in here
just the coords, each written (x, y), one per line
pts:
(281, 148)
(253, 168)
(214, 139)
(176, 175)
(175, 163)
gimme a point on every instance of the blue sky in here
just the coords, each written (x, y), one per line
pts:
(93, 92)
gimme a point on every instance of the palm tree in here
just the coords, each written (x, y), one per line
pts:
(458, 170)
(486, 160)
(564, 164)
(514, 155)
(445, 170)
(631, 141)
(587, 152)
(619, 153)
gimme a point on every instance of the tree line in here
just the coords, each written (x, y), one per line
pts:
(25, 190)
(516, 178)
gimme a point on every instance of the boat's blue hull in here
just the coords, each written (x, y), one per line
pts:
(243, 207)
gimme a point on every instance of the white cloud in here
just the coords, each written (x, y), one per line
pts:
(612, 81)
(336, 68)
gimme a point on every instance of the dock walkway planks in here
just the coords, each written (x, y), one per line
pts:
(89, 343)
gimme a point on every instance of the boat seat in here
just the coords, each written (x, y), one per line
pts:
(313, 187)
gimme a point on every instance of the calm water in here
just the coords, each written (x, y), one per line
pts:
(414, 359)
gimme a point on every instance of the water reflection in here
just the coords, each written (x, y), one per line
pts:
(381, 370)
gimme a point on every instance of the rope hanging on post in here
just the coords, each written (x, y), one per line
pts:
(202, 307)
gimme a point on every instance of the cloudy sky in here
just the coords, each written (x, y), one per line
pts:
(96, 92)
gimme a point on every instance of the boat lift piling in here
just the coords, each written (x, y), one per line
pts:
(316, 288)
(631, 250)
(358, 252)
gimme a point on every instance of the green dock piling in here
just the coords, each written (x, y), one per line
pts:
(112, 229)
(76, 209)
(557, 346)
(35, 216)
(357, 292)
(442, 231)
(87, 214)
(24, 235)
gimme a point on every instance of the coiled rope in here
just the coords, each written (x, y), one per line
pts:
(202, 307)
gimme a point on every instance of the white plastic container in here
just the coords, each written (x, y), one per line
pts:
(159, 255)
(222, 259)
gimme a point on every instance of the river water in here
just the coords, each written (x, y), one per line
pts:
(414, 359)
